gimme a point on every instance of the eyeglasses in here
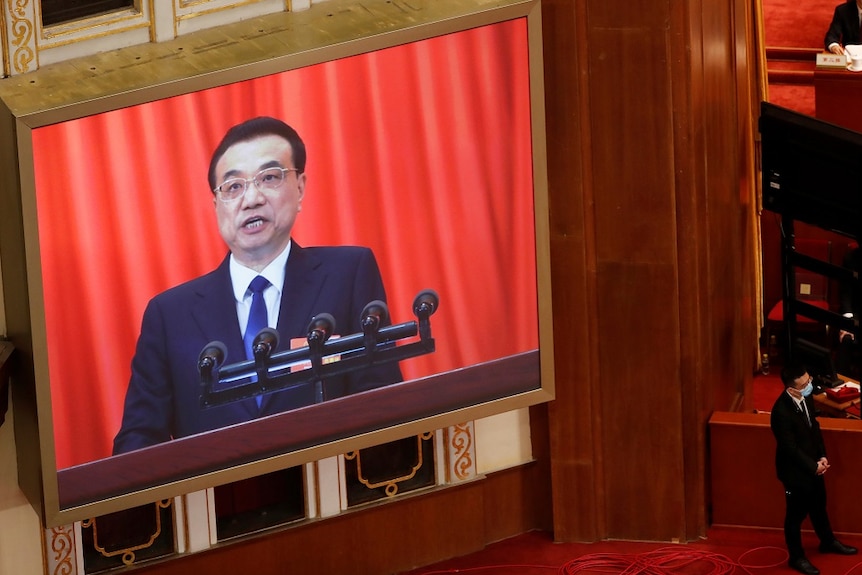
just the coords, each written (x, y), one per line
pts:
(269, 180)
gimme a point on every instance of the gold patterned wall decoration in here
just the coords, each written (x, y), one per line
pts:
(27, 45)
(4, 47)
(19, 46)
(460, 452)
(192, 15)
(94, 34)
(126, 537)
(60, 555)
(387, 470)
(390, 483)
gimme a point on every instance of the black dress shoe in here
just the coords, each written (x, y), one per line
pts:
(803, 565)
(837, 547)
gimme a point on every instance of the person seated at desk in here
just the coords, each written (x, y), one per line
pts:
(844, 28)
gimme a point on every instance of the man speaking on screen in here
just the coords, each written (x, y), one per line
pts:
(257, 175)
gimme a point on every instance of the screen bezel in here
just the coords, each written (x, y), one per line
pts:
(327, 40)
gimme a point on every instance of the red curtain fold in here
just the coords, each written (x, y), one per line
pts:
(421, 152)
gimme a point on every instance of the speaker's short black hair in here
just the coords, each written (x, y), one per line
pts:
(255, 128)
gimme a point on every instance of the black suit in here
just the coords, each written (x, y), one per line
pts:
(799, 448)
(844, 28)
(163, 398)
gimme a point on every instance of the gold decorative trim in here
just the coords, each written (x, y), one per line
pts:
(4, 48)
(183, 4)
(21, 28)
(390, 484)
(206, 12)
(117, 22)
(460, 442)
(100, 21)
(62, 543)
(129, 552)
(105, 33)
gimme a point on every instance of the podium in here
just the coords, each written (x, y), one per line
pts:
(419, 400)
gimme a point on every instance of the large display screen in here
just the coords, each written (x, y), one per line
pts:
(424, 152)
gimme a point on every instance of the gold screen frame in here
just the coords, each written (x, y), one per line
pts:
(232, 53)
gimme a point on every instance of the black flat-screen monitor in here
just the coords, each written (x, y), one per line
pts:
(811, 169)
(818, 361)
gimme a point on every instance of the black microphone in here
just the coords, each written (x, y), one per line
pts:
(373, 316)
(425, 303)
(265, 342)
(211, 357)
(321, 327)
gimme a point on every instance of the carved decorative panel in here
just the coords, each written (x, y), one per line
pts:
(460, 452)
(34, 36)
(389, 469)
(19, 46)
(60, 553)
(57, 11)
(128, 537)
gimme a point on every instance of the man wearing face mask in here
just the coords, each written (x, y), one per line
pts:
(800, 462)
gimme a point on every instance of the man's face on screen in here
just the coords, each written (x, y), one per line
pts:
(256, 225)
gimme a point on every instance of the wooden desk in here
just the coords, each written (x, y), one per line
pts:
(832, 408)
(744, 489)
(837, 97)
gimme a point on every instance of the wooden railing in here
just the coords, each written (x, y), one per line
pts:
(745, 489)
(803, 74)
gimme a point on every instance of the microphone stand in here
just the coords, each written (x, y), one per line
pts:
(232, 382)
(315, 347)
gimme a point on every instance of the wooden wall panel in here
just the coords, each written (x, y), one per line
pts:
(742, 446)
(662, 198)
(632, 145)
(575, 416)
(642, 416)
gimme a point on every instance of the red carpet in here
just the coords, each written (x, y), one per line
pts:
(794, 24)
(796, 97)
(723, 551)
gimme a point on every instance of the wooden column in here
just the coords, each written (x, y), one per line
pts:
(651, 182)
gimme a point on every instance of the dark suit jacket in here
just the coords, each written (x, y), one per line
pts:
(163, 398)
(798, 446)
(844, 28)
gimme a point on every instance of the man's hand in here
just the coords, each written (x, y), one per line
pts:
(837, 49)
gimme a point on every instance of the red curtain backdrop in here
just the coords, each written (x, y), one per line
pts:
(421, 152)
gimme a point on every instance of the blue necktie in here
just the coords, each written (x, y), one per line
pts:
(257, 317)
